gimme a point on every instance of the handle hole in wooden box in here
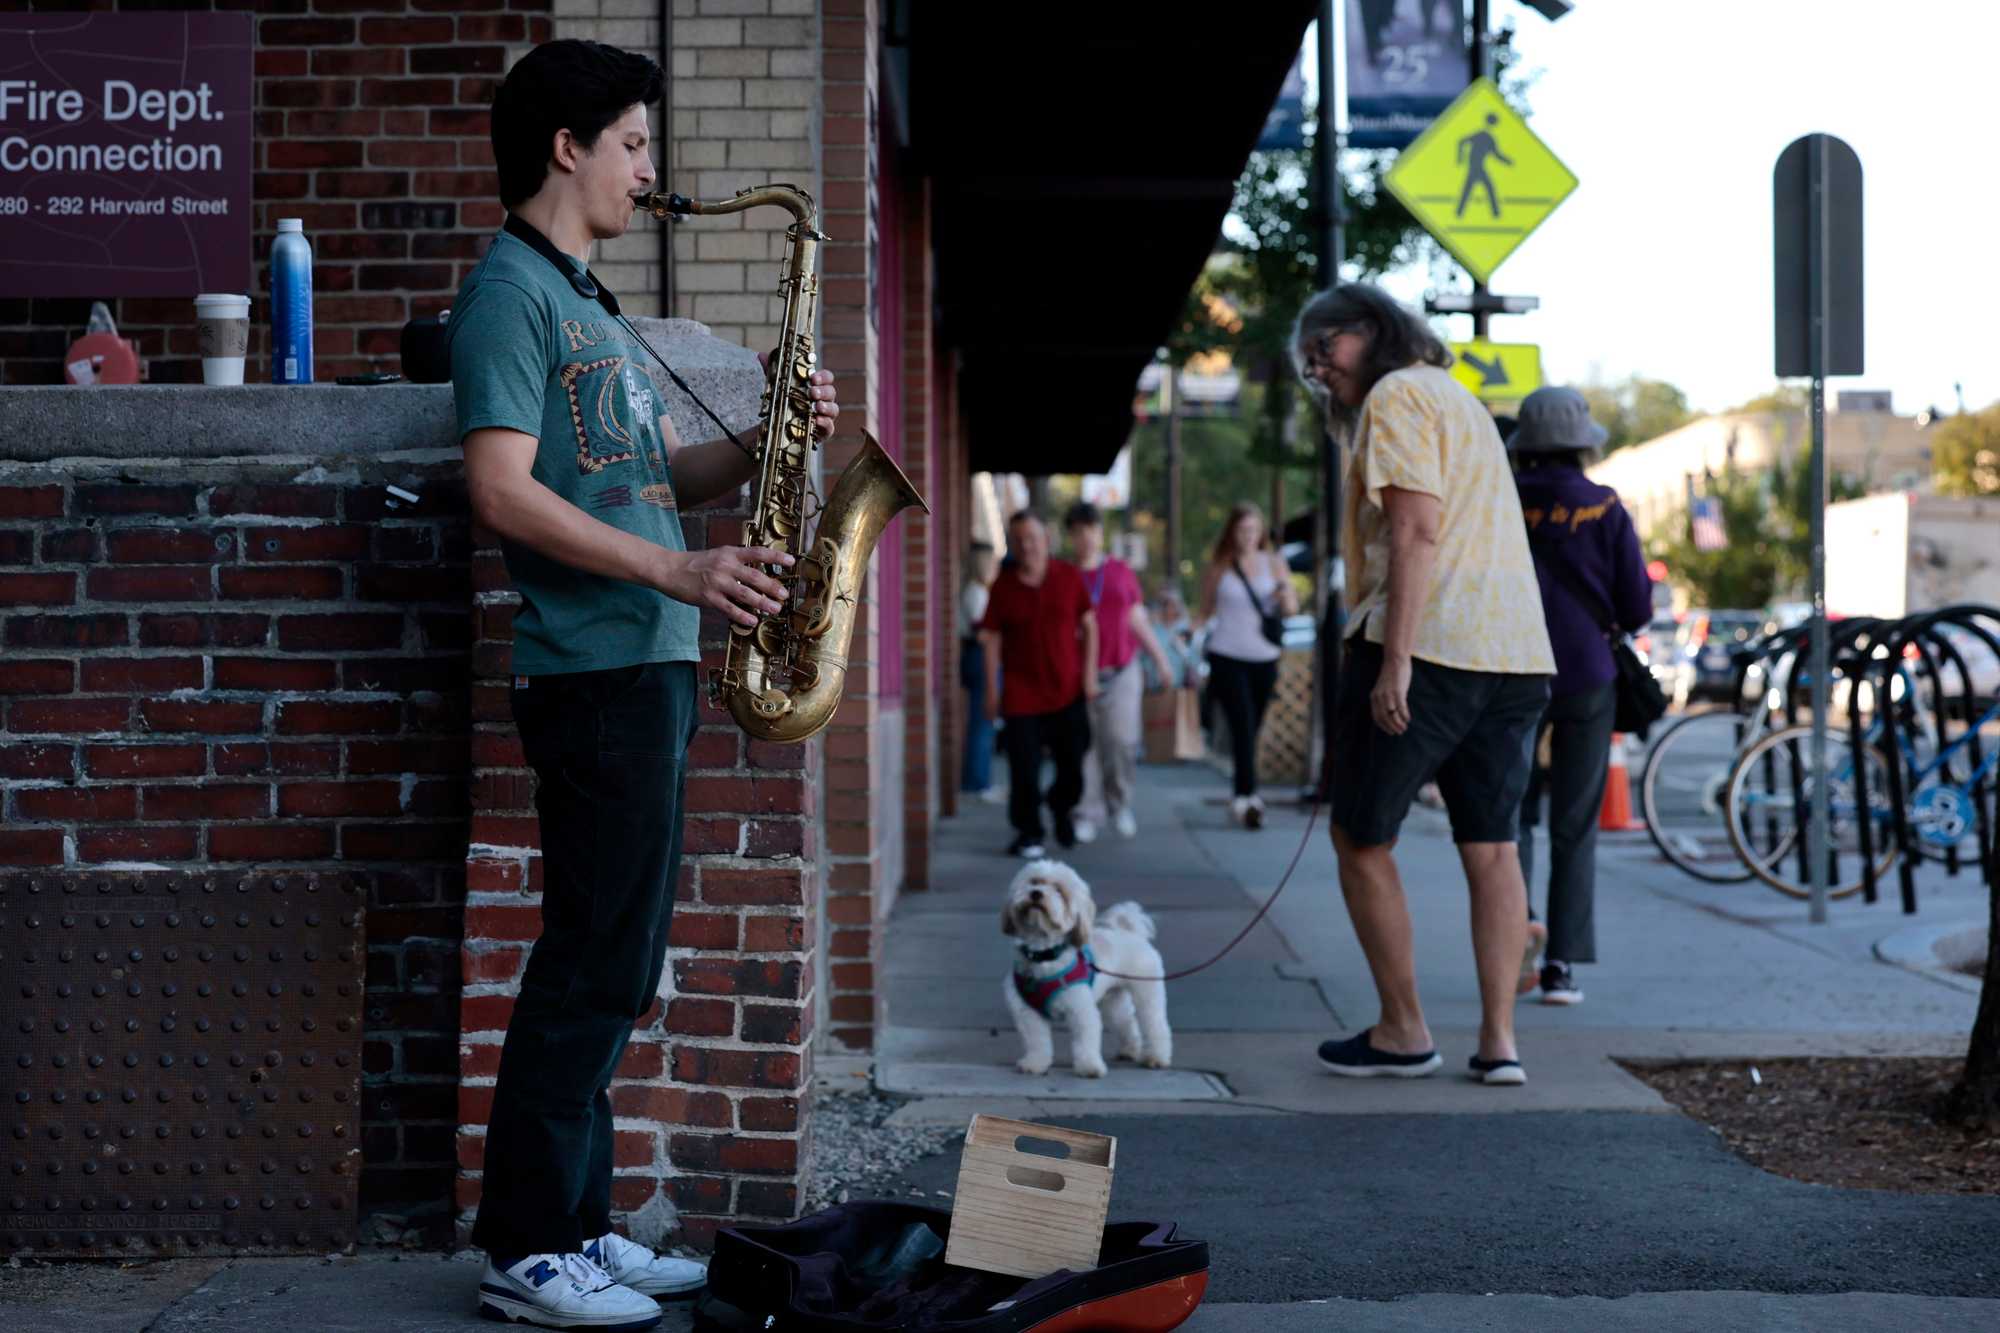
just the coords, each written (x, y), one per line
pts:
(1035, 1147)
(1029, 1178)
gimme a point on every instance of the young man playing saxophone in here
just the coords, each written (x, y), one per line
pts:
(571, 466)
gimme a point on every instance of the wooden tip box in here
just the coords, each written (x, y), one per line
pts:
(1026, 1214)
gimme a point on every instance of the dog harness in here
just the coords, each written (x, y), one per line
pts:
(1038, 993)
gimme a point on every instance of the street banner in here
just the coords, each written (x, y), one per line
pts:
(1285, 126)
(1480, 180)
(1406, 60)
(125, 154)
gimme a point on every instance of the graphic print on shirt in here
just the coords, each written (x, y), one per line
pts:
(595, 399)
(607, 409)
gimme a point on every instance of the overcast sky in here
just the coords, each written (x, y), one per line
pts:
(1672, 113)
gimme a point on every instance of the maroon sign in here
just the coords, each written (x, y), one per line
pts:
(125, 154)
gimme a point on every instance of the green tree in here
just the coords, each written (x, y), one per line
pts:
(1744, 571)
(1768, 521)
(1636, 410)
(1965, 453)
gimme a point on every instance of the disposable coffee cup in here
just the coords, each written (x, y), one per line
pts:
(222, 334)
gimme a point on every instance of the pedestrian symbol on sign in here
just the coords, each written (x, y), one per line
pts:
(1473, 150)
(1479, 179)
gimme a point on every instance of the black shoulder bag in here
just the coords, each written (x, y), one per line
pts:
(1639, 699)
(1272, 623)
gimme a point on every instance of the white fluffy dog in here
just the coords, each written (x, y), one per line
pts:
(1063, 942)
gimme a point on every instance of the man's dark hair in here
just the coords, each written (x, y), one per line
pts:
(1396, 337)
(1023, 516)
(1082, 514)
(565, 85)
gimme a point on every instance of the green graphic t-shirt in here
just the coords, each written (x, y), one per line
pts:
(530, 354)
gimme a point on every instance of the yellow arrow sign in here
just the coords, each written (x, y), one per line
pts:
(1498, 372)
(1479, 179)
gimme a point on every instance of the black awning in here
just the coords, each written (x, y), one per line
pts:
(1082, 157)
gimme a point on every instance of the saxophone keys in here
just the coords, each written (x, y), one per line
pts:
(813, 619)
(770, 704)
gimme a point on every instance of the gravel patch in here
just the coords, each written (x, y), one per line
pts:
(854, 1154)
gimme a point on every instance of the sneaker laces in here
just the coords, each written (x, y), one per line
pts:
(586, 1272)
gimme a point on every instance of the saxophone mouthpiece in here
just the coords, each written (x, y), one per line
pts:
(664, 205)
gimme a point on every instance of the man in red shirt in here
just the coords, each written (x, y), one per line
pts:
(1040, 638)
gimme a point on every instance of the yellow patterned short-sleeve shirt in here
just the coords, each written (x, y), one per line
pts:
(1421, 431)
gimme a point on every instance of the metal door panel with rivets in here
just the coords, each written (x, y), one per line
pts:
(181, 1054)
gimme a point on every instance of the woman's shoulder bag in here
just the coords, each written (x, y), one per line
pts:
(1272, 623)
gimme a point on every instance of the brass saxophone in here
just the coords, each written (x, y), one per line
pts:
(781, 679)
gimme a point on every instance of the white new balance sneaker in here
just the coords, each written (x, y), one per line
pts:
(660, 1276)
(1126, 823)
(563, 1291)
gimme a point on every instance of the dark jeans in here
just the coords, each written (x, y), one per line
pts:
(976, 773)
(1064, 734)
(1242, 690)
(1579, 752)
(607, 750)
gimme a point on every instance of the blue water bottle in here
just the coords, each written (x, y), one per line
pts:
(291, 305)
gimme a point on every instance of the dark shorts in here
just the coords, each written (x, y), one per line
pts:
(1473, 731)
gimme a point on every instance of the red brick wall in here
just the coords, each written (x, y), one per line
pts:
(710, 1098)
(862, 799)
(371, 126)
(929, 690)
(211, 667)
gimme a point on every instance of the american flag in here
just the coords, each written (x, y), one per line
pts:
(1705, 523)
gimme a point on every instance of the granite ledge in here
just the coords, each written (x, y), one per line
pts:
(59, 423)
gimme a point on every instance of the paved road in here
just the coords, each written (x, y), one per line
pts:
(1559, 1204)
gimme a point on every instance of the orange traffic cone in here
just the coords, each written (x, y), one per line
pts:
(1616, 814)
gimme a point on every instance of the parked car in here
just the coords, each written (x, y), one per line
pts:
(1704, 666)
(1657, 649)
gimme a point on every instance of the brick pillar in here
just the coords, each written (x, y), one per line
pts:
(930, 684)
(950, 500)
(863, 800)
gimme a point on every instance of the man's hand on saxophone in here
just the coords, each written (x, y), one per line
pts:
(728, 579)
(826, 407)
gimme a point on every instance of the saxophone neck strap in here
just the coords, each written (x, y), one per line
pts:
(586, 285)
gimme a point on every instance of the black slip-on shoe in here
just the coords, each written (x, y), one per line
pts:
(1496, 1073)
(1355, 1058)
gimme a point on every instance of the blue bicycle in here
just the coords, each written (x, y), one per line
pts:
(1769, 799)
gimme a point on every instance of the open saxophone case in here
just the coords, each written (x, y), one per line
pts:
(1025, 1247)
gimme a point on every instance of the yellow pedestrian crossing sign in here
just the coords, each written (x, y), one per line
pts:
(1497, 372)
(1479, 179)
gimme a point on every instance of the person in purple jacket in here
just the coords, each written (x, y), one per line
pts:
(1593, 576)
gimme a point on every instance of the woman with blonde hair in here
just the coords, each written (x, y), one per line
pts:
(1244, 591)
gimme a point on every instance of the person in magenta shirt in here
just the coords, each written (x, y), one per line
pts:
(1111, 769)
(1040, 639)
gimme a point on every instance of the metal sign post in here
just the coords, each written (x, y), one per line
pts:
(1816, 215)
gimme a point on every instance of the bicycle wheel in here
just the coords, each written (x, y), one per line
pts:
(1769, 800)
(1680, 793)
